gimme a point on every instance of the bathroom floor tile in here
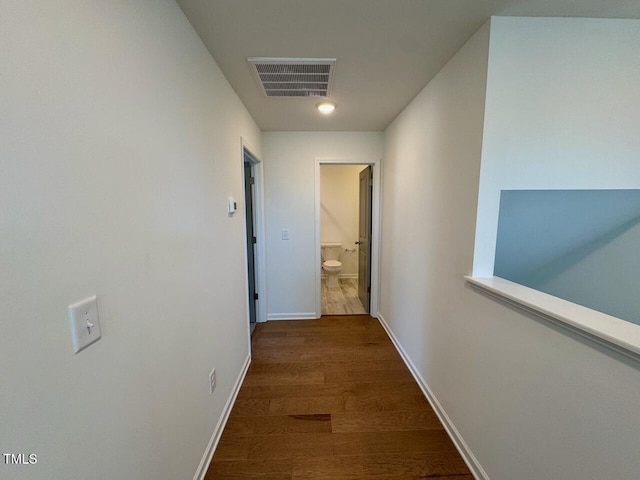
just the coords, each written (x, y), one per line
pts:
(342, 300)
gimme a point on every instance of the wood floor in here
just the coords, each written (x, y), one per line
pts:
(342, 300)
(331, 399)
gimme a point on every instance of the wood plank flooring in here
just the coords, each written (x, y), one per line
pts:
(342, 300)
(331, 399)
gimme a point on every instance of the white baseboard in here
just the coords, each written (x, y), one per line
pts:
(466, 453)
(347, 275)
(292, 316)
(343, 275)
(217, 432)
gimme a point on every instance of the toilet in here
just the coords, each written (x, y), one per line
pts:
(331, 264)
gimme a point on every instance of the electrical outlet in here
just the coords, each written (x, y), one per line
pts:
(212, 381)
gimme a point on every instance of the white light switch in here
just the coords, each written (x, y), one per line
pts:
(232, 206)
(212, 381)
(84, 324)
(285, 234)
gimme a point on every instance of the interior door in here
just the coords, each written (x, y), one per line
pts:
(251, 239)
(364, 237)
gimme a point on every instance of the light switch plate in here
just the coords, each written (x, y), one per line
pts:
(232, 205)
(84, 324)
(212, 381)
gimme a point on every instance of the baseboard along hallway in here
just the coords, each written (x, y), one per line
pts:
(332, 399)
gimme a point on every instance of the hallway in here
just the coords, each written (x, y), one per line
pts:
(332, 399)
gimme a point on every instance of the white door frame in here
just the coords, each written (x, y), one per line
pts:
(375, 228)
(258, 212)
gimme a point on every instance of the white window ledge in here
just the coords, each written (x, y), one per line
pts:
(612, 332)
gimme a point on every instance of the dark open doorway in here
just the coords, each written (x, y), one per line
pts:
(251, 239)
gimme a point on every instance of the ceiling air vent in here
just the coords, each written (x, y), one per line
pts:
(293, 77)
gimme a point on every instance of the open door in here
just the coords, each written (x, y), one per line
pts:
(251, 239)
(364, 238)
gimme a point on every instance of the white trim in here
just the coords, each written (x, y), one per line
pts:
(379, 233)
(217, 432)
(467, 455)
(611, 332)
(316, 221)
(342, 275)
(375, 226)
(259, 218)
(347, 275)
(292, 316)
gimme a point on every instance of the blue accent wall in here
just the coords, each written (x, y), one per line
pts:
(579, 245)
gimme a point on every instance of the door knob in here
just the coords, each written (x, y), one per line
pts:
(359, 243)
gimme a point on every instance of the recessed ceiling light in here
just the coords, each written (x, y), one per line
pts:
(326, 107)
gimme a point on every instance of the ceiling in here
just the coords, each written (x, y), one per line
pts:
(386, 50)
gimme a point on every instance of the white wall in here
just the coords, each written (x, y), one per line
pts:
(530, 401)
(120, 144)
(431, 167)
(289, 169)
(563, 111)
(339, 211)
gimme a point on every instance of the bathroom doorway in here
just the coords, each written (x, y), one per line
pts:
(345, 230)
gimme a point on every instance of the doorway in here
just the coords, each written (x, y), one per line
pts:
(252, 175)
(249, 182)
(344, 223)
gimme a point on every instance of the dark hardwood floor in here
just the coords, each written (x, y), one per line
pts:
(331, 399)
